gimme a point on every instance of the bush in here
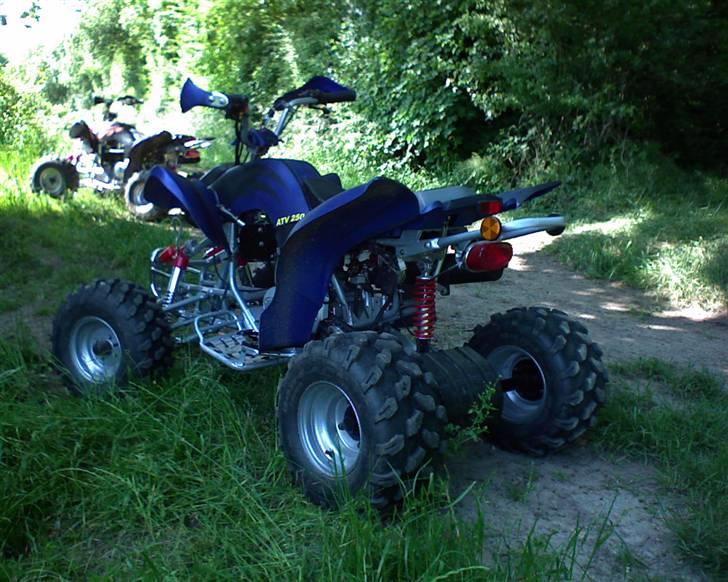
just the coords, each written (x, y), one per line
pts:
(20, 119)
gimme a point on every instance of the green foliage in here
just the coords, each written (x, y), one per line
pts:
(523, 88)
(246, 50)
(145, 41)
(479, 416)
(21, 119)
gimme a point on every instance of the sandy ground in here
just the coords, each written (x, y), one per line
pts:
(579, 494)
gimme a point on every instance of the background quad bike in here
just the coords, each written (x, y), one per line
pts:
(102, 161)
(121, 161)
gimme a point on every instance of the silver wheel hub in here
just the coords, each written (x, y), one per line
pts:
(51, 181)
(137, 197)
(523, 383)
(95, 350)
(329, 428)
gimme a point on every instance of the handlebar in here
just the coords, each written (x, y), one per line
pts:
(234, 105)
(317, 91)
(321, 90)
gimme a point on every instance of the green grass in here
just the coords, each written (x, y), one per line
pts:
(182, 479)
(666, 227)
(679, 419)
(51, 246)
(651, 225)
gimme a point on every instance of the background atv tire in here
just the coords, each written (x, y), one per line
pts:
(54, 177)
(136, 203)
(552, 378)
(356, 410)
(109, 331)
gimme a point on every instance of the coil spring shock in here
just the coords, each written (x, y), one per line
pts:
(426, 312)
(177, 256)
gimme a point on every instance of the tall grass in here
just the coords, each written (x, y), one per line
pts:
(182, 479)
(51, 246)
(666, 227)
(648, 223)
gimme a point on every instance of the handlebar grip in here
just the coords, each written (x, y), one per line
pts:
(337, 96)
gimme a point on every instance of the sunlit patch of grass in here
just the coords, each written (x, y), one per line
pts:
(679, 254)
(52, 246)
(685, 434)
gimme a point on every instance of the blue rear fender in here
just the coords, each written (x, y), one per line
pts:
(317, 244)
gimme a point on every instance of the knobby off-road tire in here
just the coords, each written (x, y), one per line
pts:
(54, 177)
(356, 411)
(136, 203)
(552, 378)
(108, 332)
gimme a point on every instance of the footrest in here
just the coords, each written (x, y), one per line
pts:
(223, 336)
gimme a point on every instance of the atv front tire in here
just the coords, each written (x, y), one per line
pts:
(139, 206)
(54, 177)
(357, 413)
(552, 378)
(107, 332)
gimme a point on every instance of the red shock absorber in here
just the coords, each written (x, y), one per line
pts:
(426, 314)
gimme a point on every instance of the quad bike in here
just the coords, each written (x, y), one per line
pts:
(100, 163)
(116, 160)
(340, 285)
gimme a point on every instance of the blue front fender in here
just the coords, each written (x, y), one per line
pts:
(169, 190)
(317, 244)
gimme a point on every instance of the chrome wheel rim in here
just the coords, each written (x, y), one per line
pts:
(523, 383)
(95, 350)
(51, 181)
(329, 428)
(137, 197)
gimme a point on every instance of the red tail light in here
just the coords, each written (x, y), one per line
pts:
(488, 256)
(490, 207)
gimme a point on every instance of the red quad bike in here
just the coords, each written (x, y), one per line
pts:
(340, 286)
(115, 160)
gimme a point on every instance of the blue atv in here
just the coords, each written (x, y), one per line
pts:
(340, 285)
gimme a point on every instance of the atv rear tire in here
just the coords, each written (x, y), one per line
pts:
(136, 203)
(552, 378)
(54, 177)
(357, 413)
(107, 332)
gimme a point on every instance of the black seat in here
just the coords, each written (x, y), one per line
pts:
(320, 188)
(211, 175)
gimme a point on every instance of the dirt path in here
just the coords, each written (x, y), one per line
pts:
(578, 494)
(625, 322)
